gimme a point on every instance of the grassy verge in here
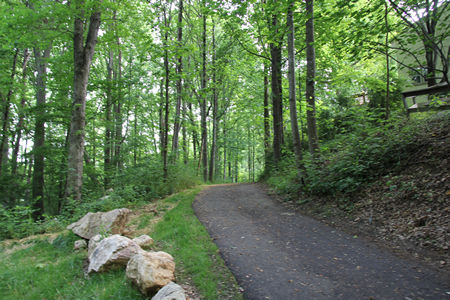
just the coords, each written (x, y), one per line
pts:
(182, 235)
(51, 270)
(45, 268)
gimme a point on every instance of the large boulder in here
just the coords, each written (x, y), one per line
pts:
(111, 252)
(143, 241)
(172, 291)
(150, 271)
(91, 224)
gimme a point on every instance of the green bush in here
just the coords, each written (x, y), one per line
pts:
(16, 222)
(371, 149)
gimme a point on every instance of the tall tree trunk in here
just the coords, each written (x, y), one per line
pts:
(161, 116)
(166, 97)
(184, 132)
(83, 53)
(212, 162)
(135, 148)
(39, 132)
(300, 105)
(26, 56)
(310, 80)
(386, 47)
(118, 163)
(194, 131)
(177, 125)
(204, 151)
(266, 119)
(277, 99)
(224, 148)
(6, 111)
(292, 98)
(108, 132)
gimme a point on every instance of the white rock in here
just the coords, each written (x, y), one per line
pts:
(150, 271)
(112, 251)
(143, 240)
(93, 243)
(91, 224)
(172, 291)
(79, 244)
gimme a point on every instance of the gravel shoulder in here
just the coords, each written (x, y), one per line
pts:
(279, 254)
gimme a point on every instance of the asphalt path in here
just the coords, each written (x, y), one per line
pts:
(277, 254)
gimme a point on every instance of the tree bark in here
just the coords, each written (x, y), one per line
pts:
(310, 80)
(83, 53)
(387, 100)
(266, 119)
(277, 99)
(292, 97)
(108, 132)
(177, 125)
(39, 132)
(118, 162)
(6, 111)
(224, 148)
(204, 150)
(212, 162)
(166, 97)
(26, 56)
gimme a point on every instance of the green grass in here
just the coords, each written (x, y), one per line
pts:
(52, 270)
(182, 235)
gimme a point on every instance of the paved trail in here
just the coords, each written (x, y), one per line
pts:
(276, 254)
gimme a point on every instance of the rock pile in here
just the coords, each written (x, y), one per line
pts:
(152, 272)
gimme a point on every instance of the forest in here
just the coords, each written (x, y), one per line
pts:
(140, 99)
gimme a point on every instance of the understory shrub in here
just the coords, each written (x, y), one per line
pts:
(350, 160)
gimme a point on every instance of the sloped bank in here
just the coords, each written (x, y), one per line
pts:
(405, 205)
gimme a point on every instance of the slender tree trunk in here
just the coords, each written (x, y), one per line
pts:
(292, 96)
(212, 162)
(310, 80)
(236, 169)
(176, 127)
(277, 99)
(184, 132)
(249, 153)
(6, 111)
(224, 148)
(194, 131)
(118, 113)
(204, 151)
(83, 53)
(39, 132)
(161, 116)
(108, 131)
(135, 148)
(166, 98)
(386, 45)
(26, 56)
(300, 105)
(266, 119)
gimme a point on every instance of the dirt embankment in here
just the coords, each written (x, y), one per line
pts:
(407, 209)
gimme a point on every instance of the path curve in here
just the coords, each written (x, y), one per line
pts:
(277, 254)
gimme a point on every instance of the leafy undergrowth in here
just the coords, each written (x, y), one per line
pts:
(46, 267)
(392, 190)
